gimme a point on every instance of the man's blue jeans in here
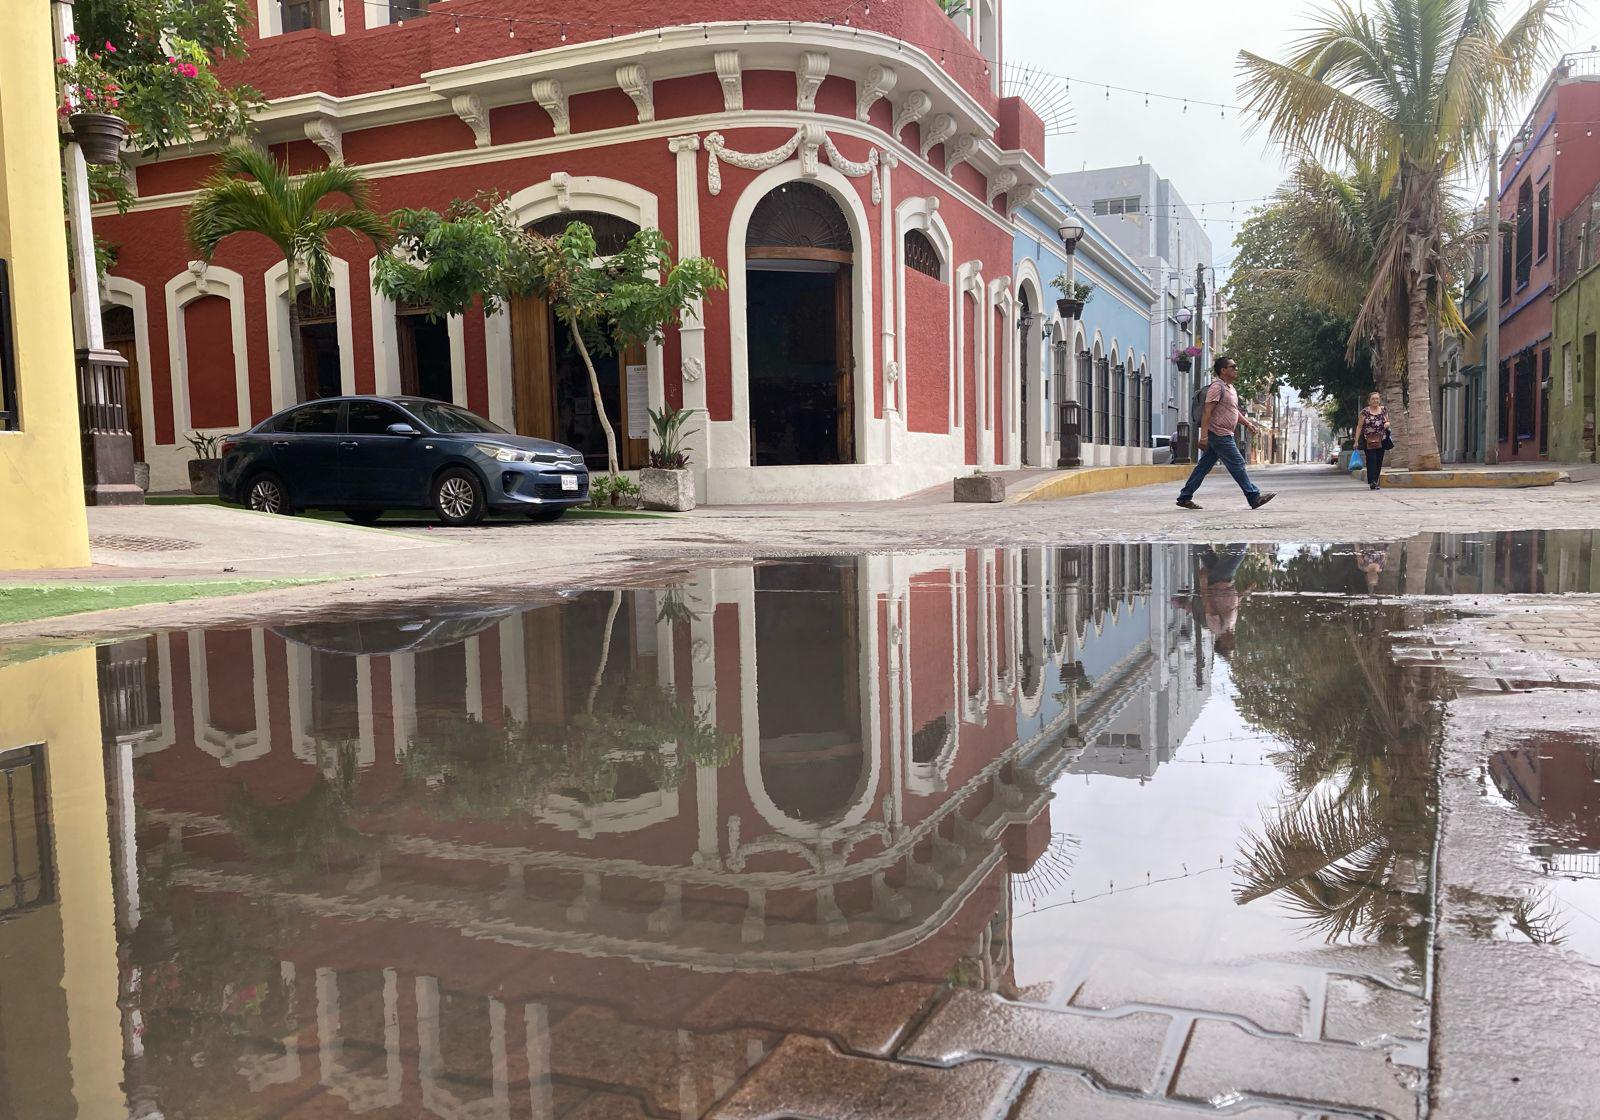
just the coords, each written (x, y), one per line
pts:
(1225, 449)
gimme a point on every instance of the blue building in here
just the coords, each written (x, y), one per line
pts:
(1101, 361)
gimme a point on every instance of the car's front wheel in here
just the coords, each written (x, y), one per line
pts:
(458, 497)
(267, 494)
(364, 516)
(546, 514)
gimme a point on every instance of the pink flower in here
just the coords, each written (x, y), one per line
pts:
(189, 70)
(109, 48)
(61, 62)
(72, 38)
(172, 58)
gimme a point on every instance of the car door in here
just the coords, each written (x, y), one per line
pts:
(380, 469)
(307, 454)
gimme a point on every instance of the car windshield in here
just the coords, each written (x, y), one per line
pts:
(447, 419)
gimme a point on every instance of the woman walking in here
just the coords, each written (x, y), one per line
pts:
(1372, 437)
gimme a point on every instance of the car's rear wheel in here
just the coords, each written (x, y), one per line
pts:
(267, 494)
(546, 514)
(458, 497)
(364, 516)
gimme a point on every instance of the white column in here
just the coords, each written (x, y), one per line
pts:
(87, 329)
(692, 335)
(894, 394)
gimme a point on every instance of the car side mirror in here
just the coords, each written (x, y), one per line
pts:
(402, 430)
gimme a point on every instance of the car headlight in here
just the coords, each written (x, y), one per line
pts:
(505, 454)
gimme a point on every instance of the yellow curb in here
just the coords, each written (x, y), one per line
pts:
(1098, 480)
(1501, 480)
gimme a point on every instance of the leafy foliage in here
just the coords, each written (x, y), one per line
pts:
(668, 425)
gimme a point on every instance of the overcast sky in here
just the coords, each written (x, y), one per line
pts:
(1186, 49)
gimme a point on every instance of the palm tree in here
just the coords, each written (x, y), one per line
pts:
(1417, 84)
(250, 192)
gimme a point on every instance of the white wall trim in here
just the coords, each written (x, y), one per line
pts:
(921, 213)
(182, 290)
(1027, 277)
(280, 359)
(121, 292)
(386, 346)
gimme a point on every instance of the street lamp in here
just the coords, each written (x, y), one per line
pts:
(1071, 233)
(1183, 316)
(1068, 439)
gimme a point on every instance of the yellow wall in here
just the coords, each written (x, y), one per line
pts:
(42, 519)
(61, 1040)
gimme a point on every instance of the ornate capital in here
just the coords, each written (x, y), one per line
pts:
(635, 82)
(732, 79)
(325, 134)
(911, 110)
(877, 84)
(958, 150)
(999, 183)
(562, 182)
(808, 78)
(690, 143)
(469, 107)
(553, 100)
(939, 129)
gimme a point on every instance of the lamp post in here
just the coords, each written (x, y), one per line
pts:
(1183, 316)
(1069, 447)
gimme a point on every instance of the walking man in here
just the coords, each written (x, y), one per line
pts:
(1217, 423)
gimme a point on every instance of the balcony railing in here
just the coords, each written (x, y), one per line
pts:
(1578, 240)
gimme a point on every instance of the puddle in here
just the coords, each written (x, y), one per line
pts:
(606, 852)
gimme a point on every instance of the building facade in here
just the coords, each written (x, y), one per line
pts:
(42, 519)
(1549, 166)
(1100, 361)
(1146, 217)
(1576, 328)
(857, 191)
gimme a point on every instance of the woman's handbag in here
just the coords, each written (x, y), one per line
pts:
(1388, 442)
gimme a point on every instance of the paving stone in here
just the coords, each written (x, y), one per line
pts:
(606, 1106)
(1363, 1012)
(1122, 1052)
(863, 1017)
(1223, 1059)
(1274, 1002)
(808, 1077)
(1053, 1095)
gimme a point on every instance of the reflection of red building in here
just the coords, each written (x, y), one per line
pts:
(649, 944)
(853, 168)
(1557, 779)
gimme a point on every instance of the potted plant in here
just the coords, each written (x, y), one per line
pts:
(667, 483)
(89, 97)
(1185, 357)
(205, 464)
(1074, 295)
(613, 491)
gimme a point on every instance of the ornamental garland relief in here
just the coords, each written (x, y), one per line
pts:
(809, 140)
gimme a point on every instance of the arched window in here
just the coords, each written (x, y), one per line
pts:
(799, 216)
(611, 233)
(920, 254)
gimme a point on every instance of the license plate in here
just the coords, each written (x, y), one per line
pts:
(569, 482)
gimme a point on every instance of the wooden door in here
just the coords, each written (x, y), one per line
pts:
(406, 340)
(532, 364)
(128, 350)
(633, 387)
(544, 651)
(844, 346)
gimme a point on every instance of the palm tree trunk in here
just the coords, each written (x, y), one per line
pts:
(1422, 443)
(297, 357)
(594, 389)
(605, 652)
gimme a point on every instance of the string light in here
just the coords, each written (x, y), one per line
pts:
(458, 25)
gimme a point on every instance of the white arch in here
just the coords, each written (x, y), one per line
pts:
(921, 213)
(386, 345)
(969, 284)
(280, 359)
(730, 440)
(1032, 351)
(122, 292)
(229, 748)
(182, 290)
(562, 192)
(1002, 354)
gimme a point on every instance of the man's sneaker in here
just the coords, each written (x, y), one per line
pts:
(1261, 500)
(1187, 503)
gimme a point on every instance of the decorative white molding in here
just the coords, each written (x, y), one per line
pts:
(198, 270)
(325, 134)
(469, 107)
(689, 143)
(635, 82)
(911, 110)
(939, 129)
(183, 289)
(561, 183)
(750, 161)
(1020, 196)
(732, 79)
(891, 372)
(553, 100)
(869, 166)
(958, 150)
(808, 79)
(878, 83)
(693, 370)
(810, 140)
(999, 183)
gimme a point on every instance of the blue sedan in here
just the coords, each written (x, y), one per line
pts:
(365, 455)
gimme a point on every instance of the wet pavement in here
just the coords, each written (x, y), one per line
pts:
(1116, 830)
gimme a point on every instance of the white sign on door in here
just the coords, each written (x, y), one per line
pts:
(638, 402)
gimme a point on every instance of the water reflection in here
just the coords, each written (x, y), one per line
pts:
(606, 852)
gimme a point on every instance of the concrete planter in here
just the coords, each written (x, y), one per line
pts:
(203, 475)
(980, 488)
(100, 135)
(141, 476)
(672, 491)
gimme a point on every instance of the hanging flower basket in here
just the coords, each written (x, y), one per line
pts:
(1184, 362)
(100, 135)
(1070, 308)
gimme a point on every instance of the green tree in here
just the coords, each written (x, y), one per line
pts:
(1280, 335)
(1416, 85)
(476, 252)
(251, 192)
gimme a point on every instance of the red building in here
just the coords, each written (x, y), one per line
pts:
(852, 168)
(1553, 162)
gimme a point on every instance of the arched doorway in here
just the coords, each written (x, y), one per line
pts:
(551, 397)
(1025, 397)
(799, 258)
